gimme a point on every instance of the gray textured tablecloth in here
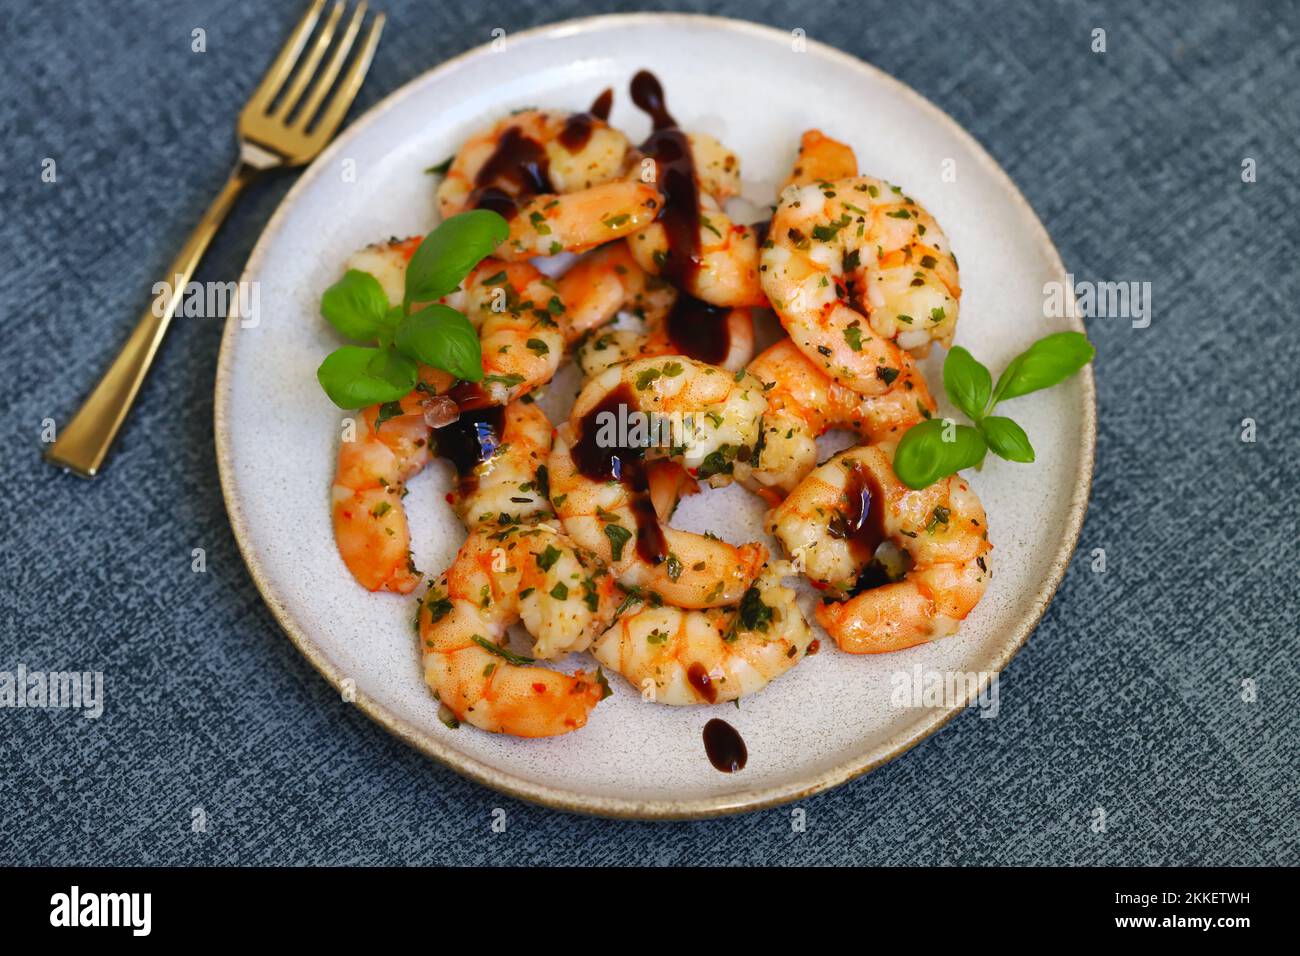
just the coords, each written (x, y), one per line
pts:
(1131, 695)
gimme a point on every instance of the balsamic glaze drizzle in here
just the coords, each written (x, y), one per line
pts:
(699, 330)
(611, 462)
(724, 746)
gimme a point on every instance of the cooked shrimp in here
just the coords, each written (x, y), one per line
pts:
(579, 221)
(803, 403)
(560, 192)
(734, 339)
(598, 483)
(519, 313)
(610, 281)
(719, 412)
(387, 262)
(507, 482)
(856, 270)
(521, 323)
(821, 160)
(612, 519)
(388, 445)
(607, 281)
(501, 575)
(725, 263)
(913, 561)
(693, 242)
(668, 484)
(717, 169)
(530, 153)
(709, 656)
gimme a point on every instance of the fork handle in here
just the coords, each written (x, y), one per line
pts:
(84, 441)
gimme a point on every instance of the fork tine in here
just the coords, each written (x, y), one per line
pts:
(333, 112)
(307, 66)
(331, 71)
(279, 69)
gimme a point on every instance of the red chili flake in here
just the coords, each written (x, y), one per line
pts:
(540, 688)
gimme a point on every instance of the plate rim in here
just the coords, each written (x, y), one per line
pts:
(623, 807)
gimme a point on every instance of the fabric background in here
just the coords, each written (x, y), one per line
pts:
(1128, 696)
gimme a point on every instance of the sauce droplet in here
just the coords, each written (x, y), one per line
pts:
(865, 519)
(724, 746)
(699, 330)
(861, 523)
(517, 169)
(469, 441)
(671, 150)
(601, 104)
(608, 461)
(578, 128)
(703, 684)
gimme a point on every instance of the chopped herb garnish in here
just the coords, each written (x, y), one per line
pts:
(754, 614)
(546, 560)
(510, 656)
(645, 377)
(441, 168)
(386, 411)
(618, 536)
(439, 609)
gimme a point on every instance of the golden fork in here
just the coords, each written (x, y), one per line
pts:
(271, 135)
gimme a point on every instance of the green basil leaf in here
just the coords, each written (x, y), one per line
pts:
(440, 336)
(923, 457)
(393, 367)
(356, 377)
(447, 254)
(967, 382)
(355, 305)
(1049, 361)
(1007, 439)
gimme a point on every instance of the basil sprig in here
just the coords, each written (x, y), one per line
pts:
(357, 375)
(936, 448)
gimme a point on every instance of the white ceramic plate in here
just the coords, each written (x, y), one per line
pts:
(831, 717)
